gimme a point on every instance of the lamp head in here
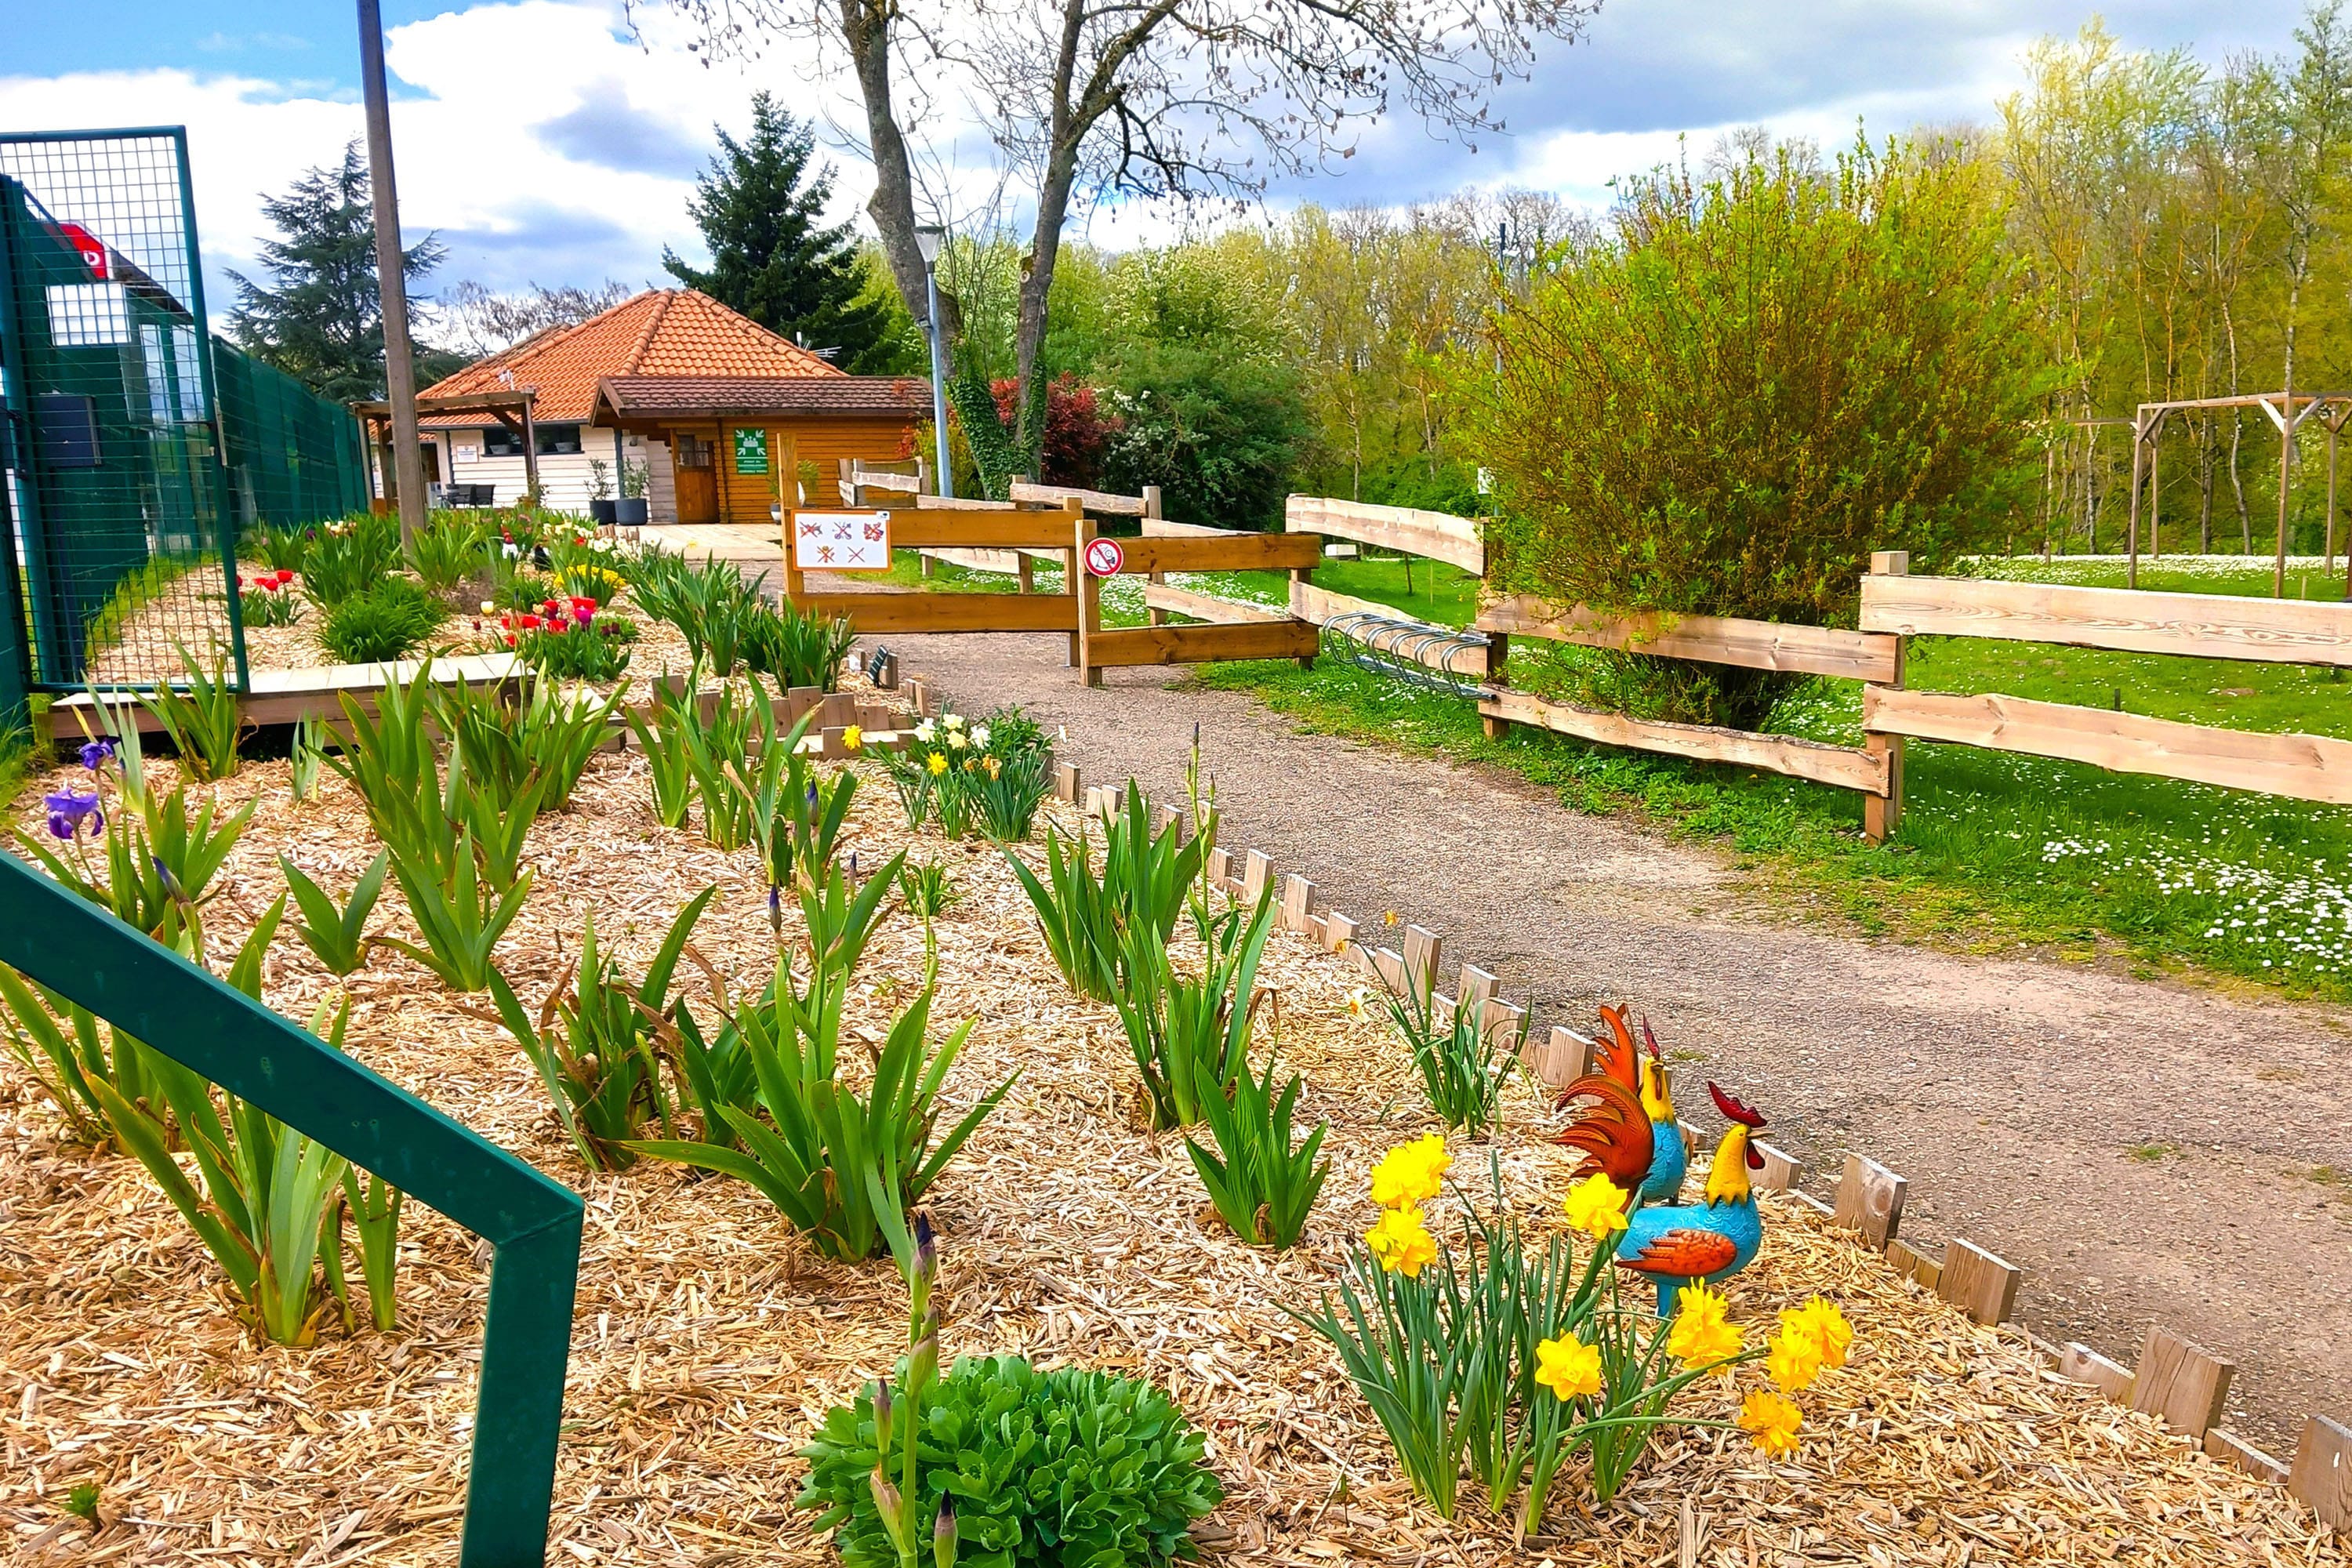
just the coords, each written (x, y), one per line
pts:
(928, 239)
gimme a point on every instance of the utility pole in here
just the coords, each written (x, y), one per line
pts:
(407, 478)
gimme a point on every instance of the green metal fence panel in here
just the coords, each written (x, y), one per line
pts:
(292, 457)
(535, 1222)
(116, 484)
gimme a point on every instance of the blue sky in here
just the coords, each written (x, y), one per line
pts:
(542, 141)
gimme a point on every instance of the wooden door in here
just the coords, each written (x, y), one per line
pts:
(694, 464)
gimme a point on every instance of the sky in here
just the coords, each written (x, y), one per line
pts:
(548, 142)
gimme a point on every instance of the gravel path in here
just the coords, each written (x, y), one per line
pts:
(2151, 1153)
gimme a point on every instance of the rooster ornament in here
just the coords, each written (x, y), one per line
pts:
(1673, 1243)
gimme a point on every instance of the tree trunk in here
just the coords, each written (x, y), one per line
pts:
(866, 29)
(2205, 486)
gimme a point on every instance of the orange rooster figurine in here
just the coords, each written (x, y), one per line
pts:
(1620, 1060)
(1673, 1243)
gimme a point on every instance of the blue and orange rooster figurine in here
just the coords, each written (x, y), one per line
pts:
(1620, 1060)
(1624, 1140)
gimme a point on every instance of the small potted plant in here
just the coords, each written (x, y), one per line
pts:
(601, 509)
(630, 510)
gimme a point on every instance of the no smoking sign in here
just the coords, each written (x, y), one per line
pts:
(1104, 558)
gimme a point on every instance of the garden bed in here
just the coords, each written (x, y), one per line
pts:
(709, 1337)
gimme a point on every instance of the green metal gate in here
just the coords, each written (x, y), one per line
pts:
(120, 544)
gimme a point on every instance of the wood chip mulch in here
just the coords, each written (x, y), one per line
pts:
(709, 1337)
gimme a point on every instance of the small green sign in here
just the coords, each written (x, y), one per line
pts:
(751, 451)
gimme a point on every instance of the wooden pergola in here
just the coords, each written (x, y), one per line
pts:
(512, 409)
(2287, 410)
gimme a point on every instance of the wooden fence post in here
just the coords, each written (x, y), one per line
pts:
(1087, 587)
(1156, 617)
(2322, 1475)
(1870, 1200)
(2184, 1384)
(1881, 814)
(1498, 652)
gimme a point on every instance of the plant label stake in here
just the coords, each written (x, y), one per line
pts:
(1104, 558)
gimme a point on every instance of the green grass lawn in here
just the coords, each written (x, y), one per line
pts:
(1996, 851)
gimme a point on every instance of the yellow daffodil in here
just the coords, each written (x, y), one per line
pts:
(991, 767)
(1700, 1336)
(1389, 918)
(852, 738)
(1819, 1322)
(1596, 1206)
(938, 765)
(1401, 1243)
(1356, 1002)
(1568, 1367)
(1771, 1421)
(1794, 1360)
(1410, 1172)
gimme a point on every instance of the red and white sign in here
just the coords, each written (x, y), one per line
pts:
(841, 541)
(1104, 558)
(92, 249)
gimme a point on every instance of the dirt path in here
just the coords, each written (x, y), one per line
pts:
(2151, 1153)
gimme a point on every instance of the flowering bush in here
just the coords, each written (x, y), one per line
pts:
(1512, 1355)
(993, 774)
(267, 600)
(568, 638)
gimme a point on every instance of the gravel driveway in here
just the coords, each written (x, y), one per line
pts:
(2149, 1152)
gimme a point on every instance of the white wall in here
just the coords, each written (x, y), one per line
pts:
(563, 477)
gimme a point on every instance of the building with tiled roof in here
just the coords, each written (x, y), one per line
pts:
(722, 417)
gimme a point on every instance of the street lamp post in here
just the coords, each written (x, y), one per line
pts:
(928, 239)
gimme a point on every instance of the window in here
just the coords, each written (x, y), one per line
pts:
(693, 452)
(501, 442)
(558, 441)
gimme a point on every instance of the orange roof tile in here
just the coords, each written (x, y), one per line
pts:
(662, 333)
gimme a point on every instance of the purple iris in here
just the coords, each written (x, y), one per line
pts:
(69, 809)
(96, 754)
(775, 909)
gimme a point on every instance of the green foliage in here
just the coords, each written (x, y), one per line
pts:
(1144, 877)
(320, 317)
(206, 721)
(387, 622)
(1190, 1036)
(270, 1203)
(842, 1165)
(280, 546)
(708, 601)
(593, 1045)
(461, 918)
(1758, 381)
(796, 820)
(1218, 431)
(1464, 1060)
(307, 756)
(928, 888)
(662, 728)
(446, 552)
(761, 207)
(1263, 1188)
(795, 647)
(159, 860)
(1071, 1467)
(267, 602)
(66, 1050)
(336, 933)
(348, 558)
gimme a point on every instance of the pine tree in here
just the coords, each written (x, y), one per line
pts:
(761, 208)
(320, 318)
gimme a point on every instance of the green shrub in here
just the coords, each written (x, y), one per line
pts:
(1071, 1467)
(445, 552)
(1750, 387)
(336, 933)
(1464, 1060)
(1190, 1036)
(279, 547)
(1262, 1187)
(708, 601)
(461, 918)
(388, 622)
(348, 558)
(593, 1044)
(1145, 878)
(795, 647)
(206, 721)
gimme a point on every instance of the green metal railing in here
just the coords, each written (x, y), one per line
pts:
(152, 994)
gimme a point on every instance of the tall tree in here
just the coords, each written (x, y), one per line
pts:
(486, 322)
(320, 317)
(761, 208)
(1149, 99)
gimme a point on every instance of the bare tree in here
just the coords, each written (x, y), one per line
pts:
(1094, 100)
(485, 322)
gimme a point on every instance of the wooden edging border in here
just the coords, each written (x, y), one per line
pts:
(2176, 1380)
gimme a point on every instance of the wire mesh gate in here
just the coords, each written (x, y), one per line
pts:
(119, 544)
